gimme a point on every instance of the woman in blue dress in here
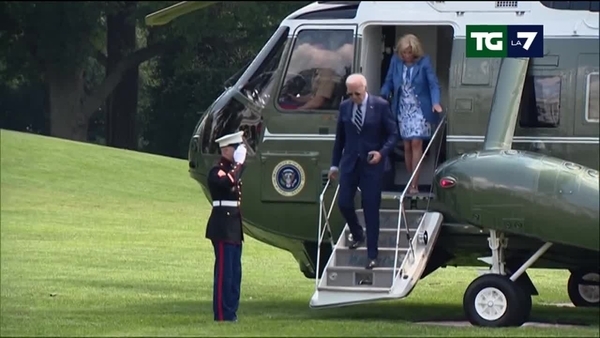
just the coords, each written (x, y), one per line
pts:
(415, 93)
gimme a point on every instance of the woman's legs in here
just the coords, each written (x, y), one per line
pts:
(408, 156)
(416, 147)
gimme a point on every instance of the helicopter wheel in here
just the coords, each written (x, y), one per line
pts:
(493, 300)
(496, 299)
(582, 295)
(526, 297)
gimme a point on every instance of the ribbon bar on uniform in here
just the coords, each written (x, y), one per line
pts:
(226, 203)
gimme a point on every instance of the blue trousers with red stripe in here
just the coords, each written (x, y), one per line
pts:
(227, 280)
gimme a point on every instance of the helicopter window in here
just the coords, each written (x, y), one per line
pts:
(540, 104)
(232, 112)
(223, 121)
(261, 82)
(232, 117)
(259, 88)
(592, 111)
(317, 70)
(572, 5)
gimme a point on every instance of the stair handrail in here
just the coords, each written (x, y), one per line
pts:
(401, 211)
(327, 213)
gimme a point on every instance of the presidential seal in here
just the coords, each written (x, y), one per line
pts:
(288, 178)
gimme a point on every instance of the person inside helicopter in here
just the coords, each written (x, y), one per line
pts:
(315, 80)
(314, 84)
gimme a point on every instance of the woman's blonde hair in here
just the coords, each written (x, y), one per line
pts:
(409, 40)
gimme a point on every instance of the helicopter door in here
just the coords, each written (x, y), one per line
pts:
(586, 114)
(298, 139)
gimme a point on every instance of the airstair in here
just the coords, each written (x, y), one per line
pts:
(406, 240)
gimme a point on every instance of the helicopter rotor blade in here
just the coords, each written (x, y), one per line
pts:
(166, 15)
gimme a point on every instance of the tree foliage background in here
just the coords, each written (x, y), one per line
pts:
(93, 71)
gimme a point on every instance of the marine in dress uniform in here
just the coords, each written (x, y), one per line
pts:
(224, 227)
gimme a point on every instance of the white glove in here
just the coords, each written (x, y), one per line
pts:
(239, 155)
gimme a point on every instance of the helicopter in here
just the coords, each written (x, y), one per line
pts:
(511, 169)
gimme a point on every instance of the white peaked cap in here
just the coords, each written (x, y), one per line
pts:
(230, 139)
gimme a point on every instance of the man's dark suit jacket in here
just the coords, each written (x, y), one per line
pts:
(379, 132)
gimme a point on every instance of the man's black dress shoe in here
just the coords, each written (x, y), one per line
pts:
(372, 264)
(356, 243)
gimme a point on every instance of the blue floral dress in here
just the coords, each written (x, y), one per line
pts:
(411, 122)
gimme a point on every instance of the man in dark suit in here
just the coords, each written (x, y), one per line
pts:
(224, 227)
(366, 134)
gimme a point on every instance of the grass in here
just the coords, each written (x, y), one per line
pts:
(105, 242)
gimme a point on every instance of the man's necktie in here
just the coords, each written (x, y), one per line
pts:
(358, 118)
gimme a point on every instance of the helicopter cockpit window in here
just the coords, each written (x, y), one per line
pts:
(222, 121)
(540, 103)
(592, 112)
(315, 76)
(239, 107)
(258, 89)
(259, 86)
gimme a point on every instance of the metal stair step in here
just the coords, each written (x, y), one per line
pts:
(388, 218)
(371, 289)
(387, 238)
(358, 257)
(344, 276)
(393, 195)
(345, 280)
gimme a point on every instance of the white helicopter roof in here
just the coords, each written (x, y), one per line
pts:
(459, 14)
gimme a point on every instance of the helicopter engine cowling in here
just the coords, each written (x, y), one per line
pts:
(522, 193)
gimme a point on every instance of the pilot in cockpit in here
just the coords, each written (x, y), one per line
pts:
(312, 75)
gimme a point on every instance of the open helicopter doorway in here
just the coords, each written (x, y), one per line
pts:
(378, 46)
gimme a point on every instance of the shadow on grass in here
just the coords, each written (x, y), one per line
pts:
(419, 312)
(295, 309)
(385, 311)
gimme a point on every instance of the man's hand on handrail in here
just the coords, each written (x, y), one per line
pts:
(333, 173)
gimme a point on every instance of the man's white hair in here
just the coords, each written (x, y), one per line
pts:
(357, 78)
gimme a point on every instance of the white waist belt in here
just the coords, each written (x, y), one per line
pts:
(226, 203)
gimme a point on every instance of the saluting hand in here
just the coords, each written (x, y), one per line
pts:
(239, 155)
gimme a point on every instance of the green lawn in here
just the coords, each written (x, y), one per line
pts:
(99, 241)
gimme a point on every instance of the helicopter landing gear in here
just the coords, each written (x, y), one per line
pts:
(495, 299)
(583, 288)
